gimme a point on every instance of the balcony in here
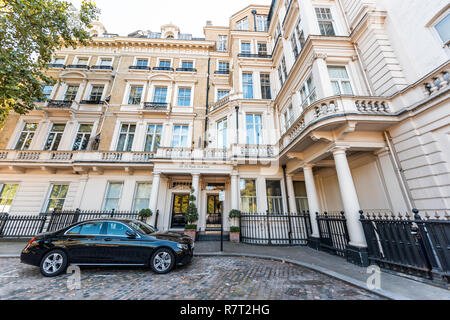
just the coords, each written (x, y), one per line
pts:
(92, 102)
(77, 66)
(162, 69)
(186, 69)
(254, 55)
(59, 104)
(142, 68)
(222, 72)
(155, 106)
(56, 66)
(109, 68)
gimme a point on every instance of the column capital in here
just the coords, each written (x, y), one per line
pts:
(339, 150)
(234, 173)
(157, 174)
(308, 166)
(195, 174)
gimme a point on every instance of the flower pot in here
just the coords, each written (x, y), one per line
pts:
(191, 233)
(234, 237)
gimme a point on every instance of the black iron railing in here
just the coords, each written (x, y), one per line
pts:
(163, 68)
(21, 226)
(92, 102)
(254, 55)
(155, 105)
(102, 68)
(275, 229)
(187, 69)
(62, 104)
(56, 65)
(139, 68)
(222, 72)
(333, 232)
(408, 244)
(77, 66)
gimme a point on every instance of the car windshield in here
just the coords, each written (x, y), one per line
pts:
(142, 227)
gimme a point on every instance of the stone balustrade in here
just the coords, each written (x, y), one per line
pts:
(437, 82)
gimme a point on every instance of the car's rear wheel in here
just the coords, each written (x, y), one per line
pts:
(162, 261)
(53, 263)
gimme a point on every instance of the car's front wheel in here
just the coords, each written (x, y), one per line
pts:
(162, 261)
(53, 263)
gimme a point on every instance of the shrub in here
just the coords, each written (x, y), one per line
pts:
(191, 215)
(190, 227)
(235, 229)
(234, 214)
(145, 213)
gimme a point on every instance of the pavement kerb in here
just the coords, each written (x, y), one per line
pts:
(383, 293)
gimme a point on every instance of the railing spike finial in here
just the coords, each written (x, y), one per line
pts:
(436, 215)
(416, 214)
(361, 214)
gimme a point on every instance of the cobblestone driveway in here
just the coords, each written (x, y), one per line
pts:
(205, 278)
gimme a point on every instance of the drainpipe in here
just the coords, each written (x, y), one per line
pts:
(400, 173)
(207, 103)
(254, 18)
(237, 124)
(286, 189)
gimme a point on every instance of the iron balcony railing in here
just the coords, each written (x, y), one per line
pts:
(56, 66)
(155, 105)
(92, 102)
(139, 68)
(163, 68)
(102, 68)
(187, 69)
(77, 66)
(254, 55)
(222, 72)
(62, 104)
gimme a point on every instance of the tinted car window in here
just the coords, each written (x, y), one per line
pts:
(116, 229)
(142, 227)
(92, 228)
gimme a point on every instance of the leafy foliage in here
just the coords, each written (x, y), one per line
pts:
(191, 215)
(235, 229)
(234, 214)
(30, 32)
(145, 213)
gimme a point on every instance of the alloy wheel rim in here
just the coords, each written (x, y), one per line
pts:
(162, 261)
(53, 263)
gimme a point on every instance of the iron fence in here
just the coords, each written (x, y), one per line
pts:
(27, 226)
(275, 229)
(21, 226)
(333, 232)
(409, 244)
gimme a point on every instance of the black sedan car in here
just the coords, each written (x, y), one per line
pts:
(108, 242)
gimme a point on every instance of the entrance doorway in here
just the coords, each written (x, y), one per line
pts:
(214, 212)
(179, 209)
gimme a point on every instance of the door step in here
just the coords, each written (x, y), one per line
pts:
(212, 236)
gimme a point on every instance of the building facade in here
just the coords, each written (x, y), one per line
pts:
(323, 105)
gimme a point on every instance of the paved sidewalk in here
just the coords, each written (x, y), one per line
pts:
(392, 286)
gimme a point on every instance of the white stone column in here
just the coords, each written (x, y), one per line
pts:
(196, 193)
(313, 199)
(234, 191)
(291, 194)
(154, 196)
(349, 199)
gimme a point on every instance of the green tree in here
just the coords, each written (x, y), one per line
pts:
(30, 32)
(191, 215)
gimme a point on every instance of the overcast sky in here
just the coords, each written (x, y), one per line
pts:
(126, 16)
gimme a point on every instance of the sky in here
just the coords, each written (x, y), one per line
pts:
(126, 16)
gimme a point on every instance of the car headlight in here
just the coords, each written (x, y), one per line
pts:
(183, 246)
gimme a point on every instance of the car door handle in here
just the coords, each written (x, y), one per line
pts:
(108, 239)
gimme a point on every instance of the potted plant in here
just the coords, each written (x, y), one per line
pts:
(191, 217)
(144, 214)
(234, 230)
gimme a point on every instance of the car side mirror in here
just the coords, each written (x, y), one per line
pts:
(131, 235)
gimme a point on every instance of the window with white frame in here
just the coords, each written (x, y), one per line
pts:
(54, 136)
(298, 39)
(274, 196)
(301, 198)
(222, 127)
(242, 24)
(325, 20)
(254, 129)
(245, 48)
(126, 137)
(142, 196)
(96, 93)
(340, 80)
(262, 48)
(223, 43)
(164, 63)
(56, 197)
(106, 62)
(59, 60)
(247, 85)
(82, 138)
(288, 117)
(224, 66)
(135, 95)
(180, 136)
(142, 62)
(443, 28)
(308, 92)
(187, 64)
(82, 61)
(184, 97)
(261, 23)
(153, 139)
(7, 194)
(160, 94)
(71, 93)
(222, 94)
(283, 67)
(112, 197)
(47, 92)
(248, 196)
(265, 86)
(26, 136)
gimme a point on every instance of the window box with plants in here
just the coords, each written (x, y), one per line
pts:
(191, 217)
(235, 231)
